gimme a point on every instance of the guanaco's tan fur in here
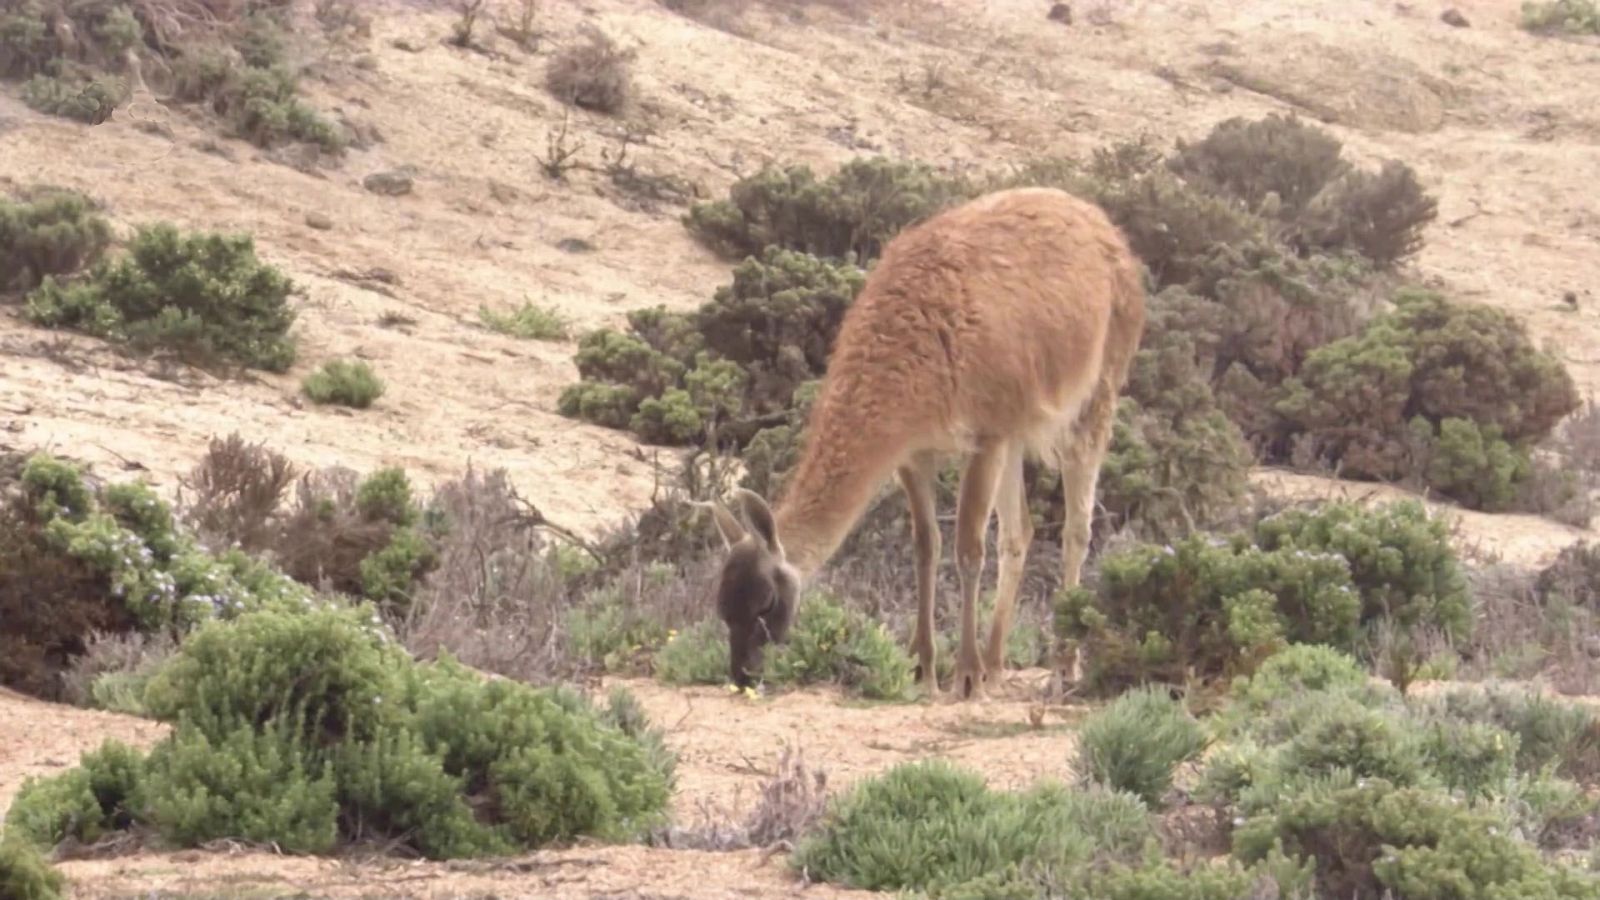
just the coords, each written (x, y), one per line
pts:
(997, 330)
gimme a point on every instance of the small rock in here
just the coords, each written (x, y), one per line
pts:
(389, 184)
(1570, 298)
(318, 221)
(1454, 18)
(1061, 12)
(574, 245)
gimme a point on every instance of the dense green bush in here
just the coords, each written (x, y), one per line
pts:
(205, 296)
(1210, 606)
(25, 874)
(1372, 836)
(48, 231)
(934, 827)
(1433, 797)
(1137, 743)
(344, 382)
(1276, 164)
(309, 729)
(1453, 392)
(1399, 556)
(850, 214)
(76, 559)
(739, 359)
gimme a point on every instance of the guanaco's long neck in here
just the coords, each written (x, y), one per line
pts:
(848, 454)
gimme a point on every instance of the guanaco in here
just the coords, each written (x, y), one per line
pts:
(998, 330)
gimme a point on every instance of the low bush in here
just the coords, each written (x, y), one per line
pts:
(344, 382)
(1137, 743)
(848, 215)
(314, 729)
(77, 559)
(1417, 797)
(206, 297)
(48, 231)
(828, 643)
(25, 874)
(1455, 393)
(930, 826)
(1275, 164)
(1561, 16)
(528, 321)
(593, 74)
(729, 367)
(1210, 606)
(1371, 837)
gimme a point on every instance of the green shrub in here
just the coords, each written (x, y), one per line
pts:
(1550, 735)
(85, 803)
(608, 633)
(76, 560)
(1399, 556)
(205, 296)
(696, 655)
(344, 382)
(1561, 16)
(310, 729)
(1297, 669)
(743, 356)
(25, 874)
(850, 214)
(1204, 606)
(1161, 880)
(50, 231)
(528, 321)
(1209, 606)
(828, 643)
(1454, 392)
(1380, 215)
(1373, 836)
(1278, 157)
(1137, 743)
(934, 827)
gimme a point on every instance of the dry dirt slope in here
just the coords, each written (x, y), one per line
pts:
(1500, 125)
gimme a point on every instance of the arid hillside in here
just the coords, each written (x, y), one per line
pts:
(1495, 120)
(507, 195)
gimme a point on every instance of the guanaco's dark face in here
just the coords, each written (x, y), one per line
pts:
(756, 592)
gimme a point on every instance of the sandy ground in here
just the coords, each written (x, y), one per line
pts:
(1500, 125)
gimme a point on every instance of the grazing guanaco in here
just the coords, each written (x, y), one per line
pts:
(996, 330)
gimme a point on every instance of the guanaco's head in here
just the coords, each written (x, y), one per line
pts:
(757, 590)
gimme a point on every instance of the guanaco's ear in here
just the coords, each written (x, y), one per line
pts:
(732, 531)
(760, 517)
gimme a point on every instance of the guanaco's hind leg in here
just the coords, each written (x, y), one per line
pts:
(1080, 450)
(976, 504)
(1015, 536)
(916, 479)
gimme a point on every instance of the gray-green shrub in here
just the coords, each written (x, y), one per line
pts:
(204, 296)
